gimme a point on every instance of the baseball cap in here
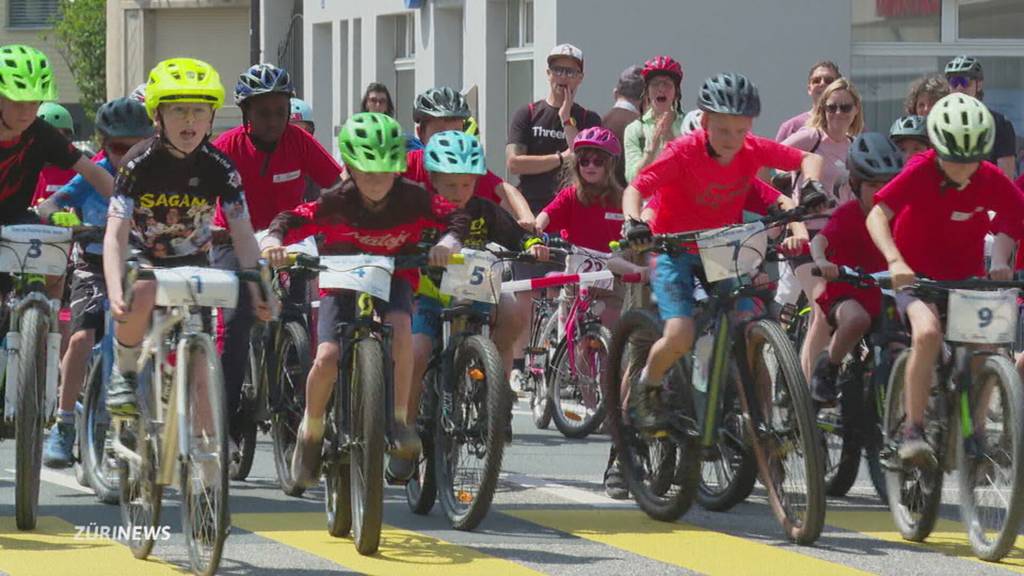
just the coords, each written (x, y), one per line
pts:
(566, 50)
(631, 82)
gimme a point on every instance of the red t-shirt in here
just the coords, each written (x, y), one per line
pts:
(695, 192)
(591, 227)
(849, 243)
(278, 185)
(1020, 248)
(417, 172)
(50, 180)
(940, 231)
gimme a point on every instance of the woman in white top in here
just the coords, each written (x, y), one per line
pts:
(645, 137)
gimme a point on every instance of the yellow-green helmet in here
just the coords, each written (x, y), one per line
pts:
(25, 74)
(183, 80)
(372, 142)
(961, 129)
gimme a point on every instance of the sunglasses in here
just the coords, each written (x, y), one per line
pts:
(564, 72)
(834, 108)
(826, 80)
(117, 148)
(597, 161)
(958, 81)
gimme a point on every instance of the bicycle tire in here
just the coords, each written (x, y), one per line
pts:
(367, 452)
(1011, 421)
(421, 490)
(93, 426)
(474, 353)
(635, 332)
(840, 438)
(294, 360)
(544, 336)
(141, 497)
(793, 394)
(924, 487)
(29, 419)
(593, 417)
(735, 463)
(245, 428)
(204, 464)
(337, 472)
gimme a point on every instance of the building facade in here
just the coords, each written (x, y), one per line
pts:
(500, 47)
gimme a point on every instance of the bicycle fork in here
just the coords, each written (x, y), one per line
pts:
(12, 354)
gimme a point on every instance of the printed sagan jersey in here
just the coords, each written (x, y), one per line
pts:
(171, 200)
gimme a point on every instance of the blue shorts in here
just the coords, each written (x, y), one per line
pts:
(427, 318)
(673, 285)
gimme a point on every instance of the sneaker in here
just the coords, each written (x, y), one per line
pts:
(305, 466)
(121, 394)
(823, 382)
(642, 407)
(913, 446)
(406, 443)
(57, 453)
(615, 483)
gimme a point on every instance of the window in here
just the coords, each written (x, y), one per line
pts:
(31, 13)
(896, 20)
(404, 96)
(520, 86)
(991, 19)
(520, 24)
(405, 36)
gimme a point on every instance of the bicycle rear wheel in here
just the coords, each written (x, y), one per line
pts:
(991, 465)
(728, 476)
(542, 342)
(337, 473)
(914, 492)
(99, 467)
(292, 365)
(421, 490)
(577, 401)
(470, 441)
(204, 466)
(786, 443)
(367, 452)
(840, 437)
(662, 471)
(141, 495)
(29, 418)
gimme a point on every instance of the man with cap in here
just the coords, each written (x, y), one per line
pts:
(628, 93)
(965, 75)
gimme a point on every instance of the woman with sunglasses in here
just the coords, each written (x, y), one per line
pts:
(120, 124)
(836, 119)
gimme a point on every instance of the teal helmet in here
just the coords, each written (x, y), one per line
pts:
(454, 152)
(57, 116)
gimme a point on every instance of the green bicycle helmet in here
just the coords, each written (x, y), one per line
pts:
(56, 115)
(372, 142)
(443, 102)
(454, 152)
(25, 74)
(961, 129)
(911, 127)
(965, 66)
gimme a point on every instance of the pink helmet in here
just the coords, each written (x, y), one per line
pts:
(597, 137)
(663, 65)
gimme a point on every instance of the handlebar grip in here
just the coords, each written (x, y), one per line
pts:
(457, 259)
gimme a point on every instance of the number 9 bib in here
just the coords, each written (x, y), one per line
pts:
(982, 317)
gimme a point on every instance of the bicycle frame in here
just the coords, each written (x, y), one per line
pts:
(578, 316)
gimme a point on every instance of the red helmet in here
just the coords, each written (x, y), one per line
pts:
(600, 138)
(663, 65)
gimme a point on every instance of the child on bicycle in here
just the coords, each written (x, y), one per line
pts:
(176, 170)
(53, 177)
(932, 220)
(120, 124)
(375, 212)
(910, 134)
(844, 241)
(702, 180)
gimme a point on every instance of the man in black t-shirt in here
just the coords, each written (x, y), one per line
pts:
(965, 75)
(542, 132)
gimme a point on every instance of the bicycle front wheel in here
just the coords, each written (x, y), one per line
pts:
(141, 495)
(99, 467)
(204, 463)
(991, 462)
(245, 427)
(367, 452)
(786, 442)
(577, 401)
(292, 365)
(29, 418)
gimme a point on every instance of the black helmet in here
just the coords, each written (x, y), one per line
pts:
(965, 66)
(874, 158)
(442, 102)
(262, 79)
(912, 127)
(124, 118)
(730, 94)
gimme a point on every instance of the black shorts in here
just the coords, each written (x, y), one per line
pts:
(340, 306)
(88, 295)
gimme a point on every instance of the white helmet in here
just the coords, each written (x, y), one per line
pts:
(691, 121)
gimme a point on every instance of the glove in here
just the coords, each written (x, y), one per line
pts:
(637, 231)
(65, 219)
(812, 195)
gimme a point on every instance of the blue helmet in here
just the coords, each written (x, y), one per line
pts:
(301, 111)
(454, 152)
(262, 79)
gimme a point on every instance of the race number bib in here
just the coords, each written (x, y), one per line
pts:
(360, 272)
(732, 251)
(195, 286)
(476, 279)
(982, 317)
(34, 249)
(582, 261)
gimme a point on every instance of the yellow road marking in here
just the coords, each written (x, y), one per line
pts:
(680, 544)
(948, 537)
(402, 552)
(53, 549)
